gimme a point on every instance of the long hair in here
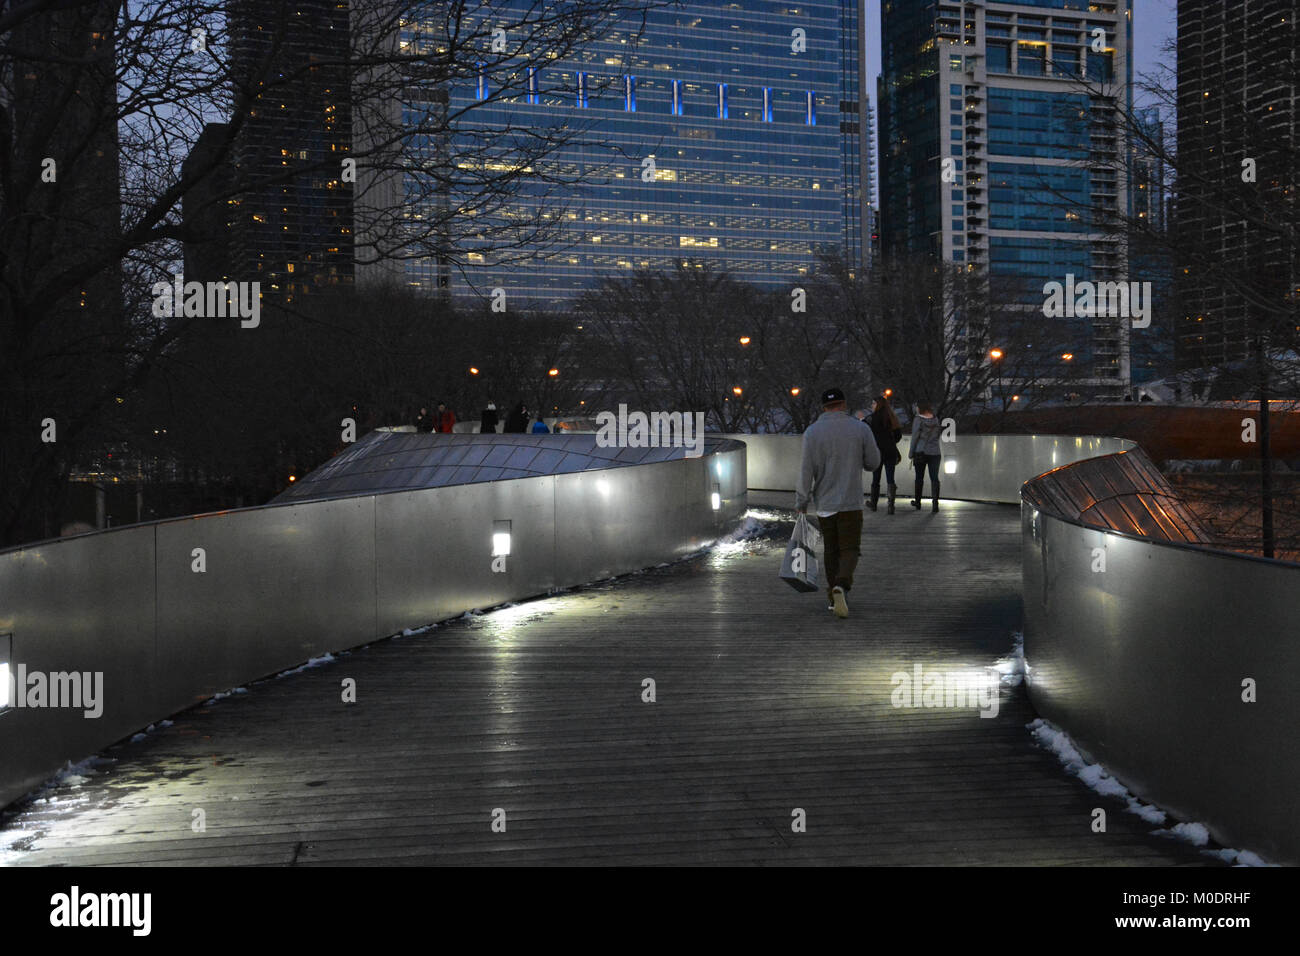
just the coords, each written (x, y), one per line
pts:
(889, 417)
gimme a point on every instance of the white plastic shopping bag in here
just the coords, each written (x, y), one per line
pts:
(802, 569)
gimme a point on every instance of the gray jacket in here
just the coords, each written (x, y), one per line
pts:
(837, 448)
(926, 434)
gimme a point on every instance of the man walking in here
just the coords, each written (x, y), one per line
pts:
(837, 449)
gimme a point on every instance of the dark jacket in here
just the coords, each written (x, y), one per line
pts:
(424, 423)
(887, 437)
(487, 421)
(516, 421)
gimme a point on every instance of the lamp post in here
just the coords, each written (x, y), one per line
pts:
(996, 356)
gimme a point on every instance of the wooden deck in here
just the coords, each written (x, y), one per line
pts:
(765, 703)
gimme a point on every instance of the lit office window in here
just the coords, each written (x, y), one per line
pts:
(582, 91)
(722, 101)
(534, 94)
(629, 94)
(810, 116)
(767, 104)
(677, 99)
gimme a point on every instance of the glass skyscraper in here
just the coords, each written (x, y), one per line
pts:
(1238, 265)
(1002, 151)
(726, 133)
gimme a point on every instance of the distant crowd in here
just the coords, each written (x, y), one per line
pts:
(517, 421)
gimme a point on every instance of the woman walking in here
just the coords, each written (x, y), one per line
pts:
(926, 432)
(888, 433)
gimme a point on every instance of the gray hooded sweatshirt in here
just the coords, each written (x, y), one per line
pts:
(837, 448)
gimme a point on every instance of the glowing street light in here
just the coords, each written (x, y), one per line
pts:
(473, 370)
(744, 340)
(553, 372)
(737, 391)
(795, 390)
(996, 356)
(889, 393)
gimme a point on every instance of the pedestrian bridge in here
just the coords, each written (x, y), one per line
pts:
(641, 688)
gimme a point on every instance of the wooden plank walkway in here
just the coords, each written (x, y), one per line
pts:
(765, 703)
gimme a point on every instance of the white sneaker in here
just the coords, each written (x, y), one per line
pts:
(840, 607)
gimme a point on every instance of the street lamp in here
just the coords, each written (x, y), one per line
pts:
(737, 390)
(996, 356)
(744, 340)
(553, 372)
(795, 391)
(473, 370)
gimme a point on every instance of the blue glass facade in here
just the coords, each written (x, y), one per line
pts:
(707, 139)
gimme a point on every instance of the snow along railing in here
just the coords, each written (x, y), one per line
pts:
(115, 630)
(1173, 664)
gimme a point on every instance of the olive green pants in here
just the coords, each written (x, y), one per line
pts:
(842, 546)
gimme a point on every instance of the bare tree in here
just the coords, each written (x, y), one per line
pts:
(101, 101)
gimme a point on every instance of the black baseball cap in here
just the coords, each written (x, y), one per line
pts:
(832, 395)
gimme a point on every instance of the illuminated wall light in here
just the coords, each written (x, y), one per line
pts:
(716, 497)
(6, 655)
(500, 538)
(950, 466)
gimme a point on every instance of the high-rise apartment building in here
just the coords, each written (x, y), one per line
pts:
(733, 134)
(1236, 206)
(1002, 151)
(292, 222)
(59, 101)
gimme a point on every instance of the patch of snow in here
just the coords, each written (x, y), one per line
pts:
(1052, 738)
(314, 662)
(222, 695)
(1012, 667)
(1197, 834)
